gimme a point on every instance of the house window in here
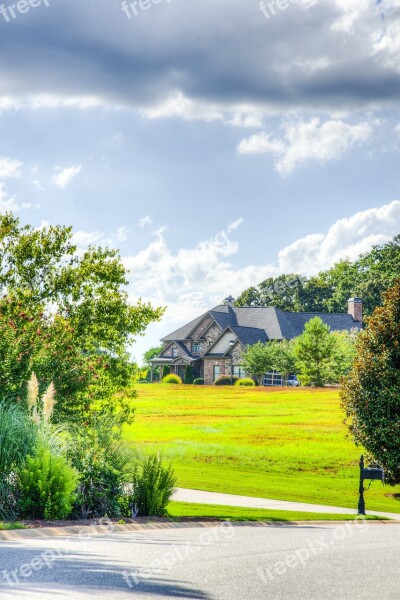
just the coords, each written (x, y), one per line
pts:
(174, 352)
(216, 371)
(238, 371)
(195, 348)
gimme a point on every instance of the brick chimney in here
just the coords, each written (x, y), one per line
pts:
(356, 309)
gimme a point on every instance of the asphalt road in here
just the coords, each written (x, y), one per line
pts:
(224, 562)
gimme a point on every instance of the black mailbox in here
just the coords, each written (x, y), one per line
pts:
(377, 474)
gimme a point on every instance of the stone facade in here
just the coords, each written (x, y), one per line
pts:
(210, 363)
(201, 327)
(224, 362)
(209, 337)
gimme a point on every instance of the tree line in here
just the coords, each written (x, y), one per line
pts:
(368, 277)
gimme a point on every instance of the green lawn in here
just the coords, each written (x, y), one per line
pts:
(234, 513)
(285, 444)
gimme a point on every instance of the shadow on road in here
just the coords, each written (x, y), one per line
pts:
(80, 572)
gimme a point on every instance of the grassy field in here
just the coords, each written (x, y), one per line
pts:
(284, 444)
(233, 513)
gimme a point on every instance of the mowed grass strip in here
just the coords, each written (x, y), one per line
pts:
(287, 444)
(180, 510)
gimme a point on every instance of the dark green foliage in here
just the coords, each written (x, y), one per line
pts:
(259, 359)
(104, 464)
(82, 348)
(371, 392)
(226, 380)
(47, 486)
(18, 437)
(198, 381)
(172, 378)
(165, 370)
(314, 351)
(153, 486)
(188, 375)
(246, 382)
(368, 277)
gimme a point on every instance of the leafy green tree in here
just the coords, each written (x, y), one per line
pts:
(345, 352)
(259, 359)
(66, 315)
(370, 393)
(147, 357)
(314, 351)
(282, 292)
(188, 375)
(150, 354)
(284, 359)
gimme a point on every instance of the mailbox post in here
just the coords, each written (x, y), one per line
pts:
(361, 501)
(374, 473)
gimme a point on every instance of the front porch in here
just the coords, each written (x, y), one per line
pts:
(178, 366)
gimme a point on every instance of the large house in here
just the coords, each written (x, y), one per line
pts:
(214, 342)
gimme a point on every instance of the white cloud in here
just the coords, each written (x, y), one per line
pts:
(83, 239)
(147, 220)
(307, 141)
(346, 238)
(64, 177)
(192, 280)
(9, 169)
(180, 106)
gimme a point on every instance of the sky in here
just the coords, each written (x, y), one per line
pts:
(213, 142)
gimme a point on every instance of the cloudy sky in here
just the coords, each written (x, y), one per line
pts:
(214, 143)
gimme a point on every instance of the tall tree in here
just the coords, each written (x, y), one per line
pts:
(69, 315)
(259, 359)
(314, 350)
(371, 392)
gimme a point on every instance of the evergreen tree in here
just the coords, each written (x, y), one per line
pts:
(188, 375)
(314, 350)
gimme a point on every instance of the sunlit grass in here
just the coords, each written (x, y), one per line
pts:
(236, 513)
(273, 443)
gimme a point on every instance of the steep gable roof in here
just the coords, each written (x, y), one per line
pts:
(264, 323)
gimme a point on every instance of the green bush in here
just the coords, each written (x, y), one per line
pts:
(198, 381)
(188, 375)
(153, 486)
(172, 378)
(47, 485)
(104, 464)
(247, 382)
(17, 439)
(226, 380)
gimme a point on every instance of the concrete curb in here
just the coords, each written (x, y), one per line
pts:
(97, 530)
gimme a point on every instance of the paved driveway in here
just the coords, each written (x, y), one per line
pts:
(201, 497)
(224, 562)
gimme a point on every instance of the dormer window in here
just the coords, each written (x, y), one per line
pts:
(195, 348)
(174, 352)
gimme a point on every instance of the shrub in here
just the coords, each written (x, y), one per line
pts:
(47, 485)
(198, 381)
(226, 380)
(104, 464)
(17, 439)
(247, 382)
(153, 486)
(172, 378)
(188, 375)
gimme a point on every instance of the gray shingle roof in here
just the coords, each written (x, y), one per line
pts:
(260, 324)
(183, 332)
